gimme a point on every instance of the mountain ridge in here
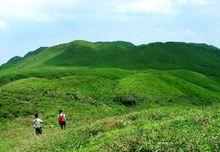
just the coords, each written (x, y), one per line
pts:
(117, 97)
(120, 54)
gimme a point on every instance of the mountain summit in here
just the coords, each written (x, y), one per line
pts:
(170, 55)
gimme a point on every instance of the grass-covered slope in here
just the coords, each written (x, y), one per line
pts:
(12, 62)
(113, 110)
(26, 96)
(171, 55)
(117, 97)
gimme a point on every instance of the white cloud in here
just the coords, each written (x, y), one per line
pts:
(183, 2)
(203, 2)
(158, 7)
(33, 10)
(161, 7)
(196, 2)
(3, 25)
(49, 10)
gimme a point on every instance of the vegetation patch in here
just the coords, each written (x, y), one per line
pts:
(129, 100)
(116, 97)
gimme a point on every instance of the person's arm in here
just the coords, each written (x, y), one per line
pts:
(65, 118)
(40, 120)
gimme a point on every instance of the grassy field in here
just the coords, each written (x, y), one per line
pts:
(158, 100)
(112, 110)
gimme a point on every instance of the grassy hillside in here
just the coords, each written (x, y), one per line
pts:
(117, 97)
(26, 96)
(113, 109)
(171, 55)
(12, 62)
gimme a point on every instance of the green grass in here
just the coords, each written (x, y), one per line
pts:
(176, 107)
(168, 128)
(117, 97)
(171, 55)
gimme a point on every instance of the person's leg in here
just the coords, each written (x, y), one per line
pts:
(40, 131)
(64, 125)
(37, 131)
(61, 126)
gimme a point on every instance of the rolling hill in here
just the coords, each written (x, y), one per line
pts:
(117, 97)
(171, 55)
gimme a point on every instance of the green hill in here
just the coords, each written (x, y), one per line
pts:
(117, 97)
(12, 62)
(171, 55)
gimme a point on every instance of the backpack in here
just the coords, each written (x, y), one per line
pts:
(36, 124)
(61, 119)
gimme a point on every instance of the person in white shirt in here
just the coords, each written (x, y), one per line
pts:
(37, 125)
(62, 120)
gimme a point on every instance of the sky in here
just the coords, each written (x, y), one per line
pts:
(26, 25)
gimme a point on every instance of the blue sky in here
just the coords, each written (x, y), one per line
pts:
(26, 25)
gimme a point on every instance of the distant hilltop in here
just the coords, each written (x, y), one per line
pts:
(164, 56)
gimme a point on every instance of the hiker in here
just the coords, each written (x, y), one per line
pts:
(37, 125)
(62, 120)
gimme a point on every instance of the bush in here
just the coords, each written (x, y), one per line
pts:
(129, 100)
